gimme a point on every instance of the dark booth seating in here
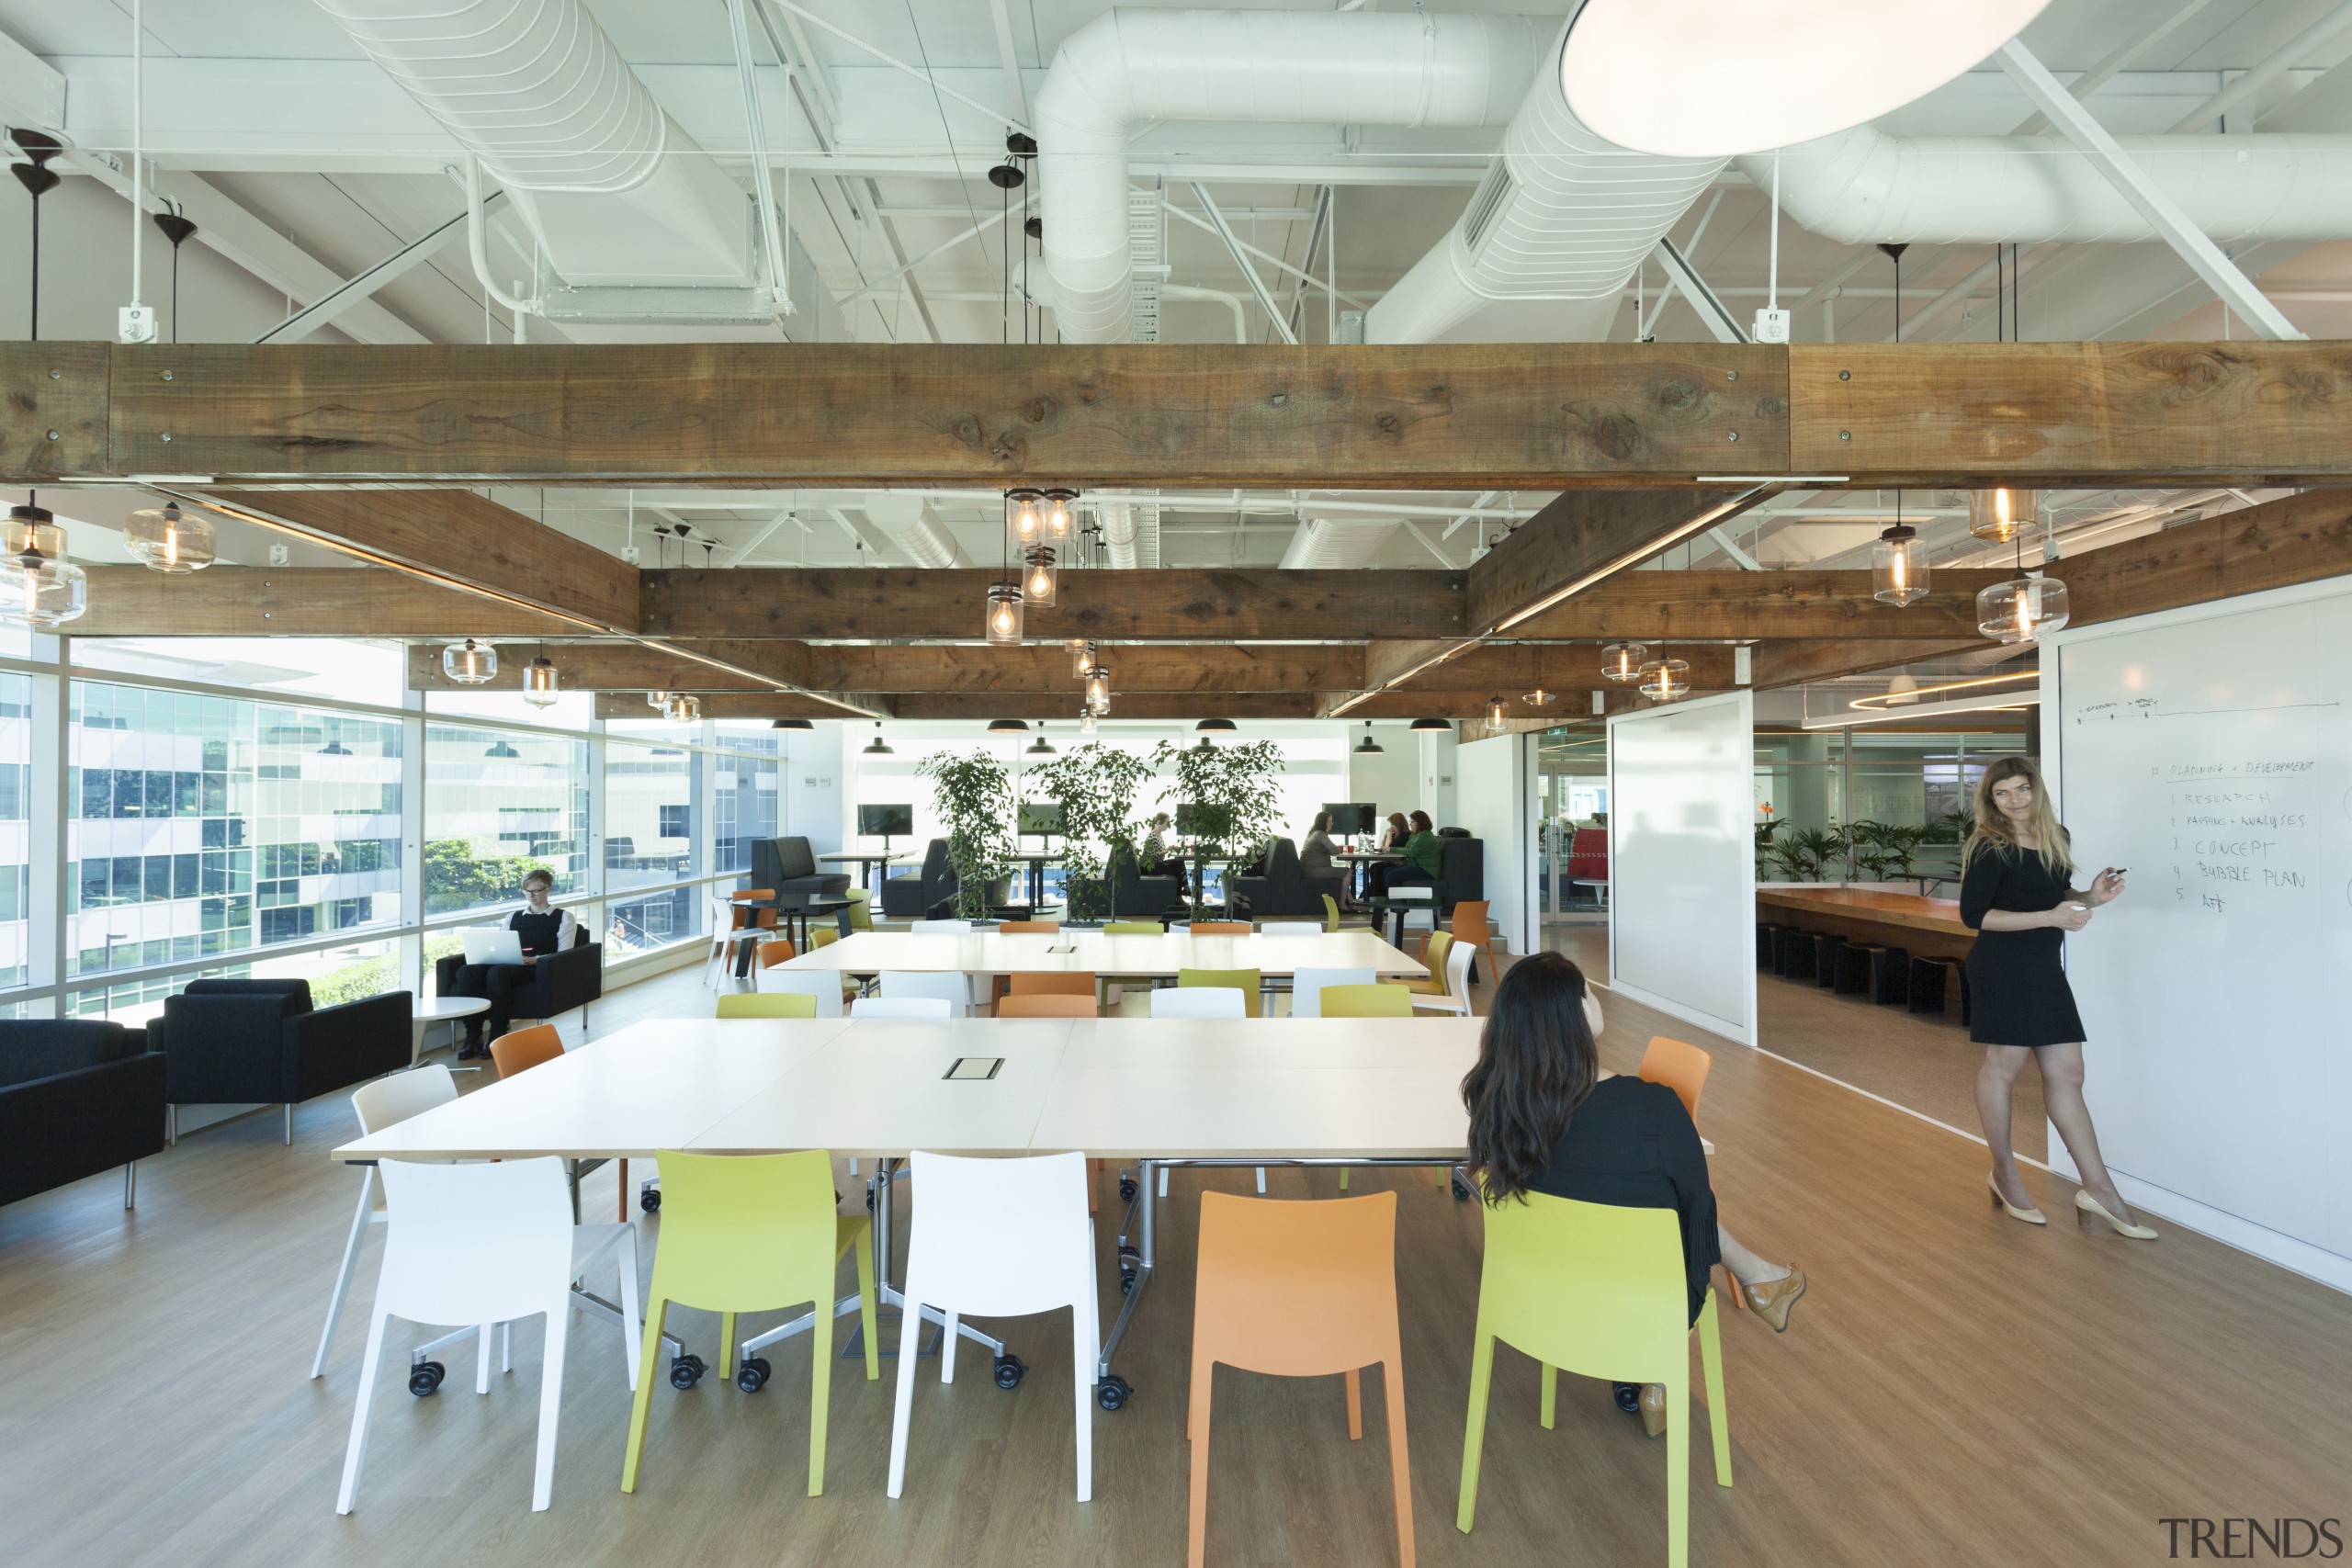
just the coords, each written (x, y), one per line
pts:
(914, 896)
(787, 866)
(231, 1041)
(77, 1096)
(1285, 888)
(547, 987)
(1140, 898)
(1461, 870)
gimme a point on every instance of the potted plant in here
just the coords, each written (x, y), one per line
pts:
(1803, 854)
(1095, 785)
(973, 793)
(1238, 779)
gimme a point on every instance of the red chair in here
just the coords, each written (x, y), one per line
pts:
(1588, 863)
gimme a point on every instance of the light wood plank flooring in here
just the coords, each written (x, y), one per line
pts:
(1957, 1389)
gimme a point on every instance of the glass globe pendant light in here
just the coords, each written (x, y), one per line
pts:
(1621, 661)
(1021, 518)
(1496, 711)
(2021, 608)
(540, 682)
(1057, 513)
(1666, 680)
(1082, 656)
(1899, 562)
(1539, 698)
(2001, 515)
(38, 587)
(1038, 579)
(470, 663)
(1003, 625)
(165, 540)
(1098, 690)
(684, 707)
(1085, 719)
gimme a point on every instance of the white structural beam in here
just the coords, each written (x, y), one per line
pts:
(2106, 70)
(1016, 93)
(2285, 58)
(2163, 213)
(1713, 312)
(1257, 285)
(310, 318)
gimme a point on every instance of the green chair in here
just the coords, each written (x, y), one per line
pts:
(861, 910)
(1598, 1290)
(1107, 989)
(1367, 1001)
(767, 1004)
(753, 1234)
(1247, 981)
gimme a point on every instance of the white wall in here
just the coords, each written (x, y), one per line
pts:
(1494, 799)
(1436, 791)
(813, 789)
(1391, 781)
(1682, 863)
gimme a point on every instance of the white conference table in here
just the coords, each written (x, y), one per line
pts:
(991, 951)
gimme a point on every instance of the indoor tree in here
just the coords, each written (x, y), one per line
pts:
(1095, 785)
(1237, 780)
(973, 793)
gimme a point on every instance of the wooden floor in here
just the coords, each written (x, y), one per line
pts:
(1957, 1389)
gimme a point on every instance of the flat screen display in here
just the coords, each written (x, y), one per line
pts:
(885, 822)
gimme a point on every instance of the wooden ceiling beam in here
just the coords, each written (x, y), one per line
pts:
(634, 667)
(316, 601)
(2295, 539)
(1583, 537)
(1512, 668)
(1794, 663)
(771, 704)
(1648, 606)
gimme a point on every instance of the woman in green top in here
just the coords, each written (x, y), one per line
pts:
(1424, 856)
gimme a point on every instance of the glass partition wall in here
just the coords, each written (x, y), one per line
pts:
(174, 809)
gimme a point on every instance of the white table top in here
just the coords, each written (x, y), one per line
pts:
(434, 1009)
(844, 855)
(1090, 951)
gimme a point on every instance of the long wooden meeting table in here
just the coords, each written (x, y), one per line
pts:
(990, 952)
(1160, 1091)
(1926, 928)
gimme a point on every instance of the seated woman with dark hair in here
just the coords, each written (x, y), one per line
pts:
(1545, 1119)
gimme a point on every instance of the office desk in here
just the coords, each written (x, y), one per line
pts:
(1926, 928)
(864, 862)
(1087, 952)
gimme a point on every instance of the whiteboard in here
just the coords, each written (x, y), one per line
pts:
(2209, 752)
(1682, 861)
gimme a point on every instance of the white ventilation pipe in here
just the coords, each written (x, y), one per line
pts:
(1322, 542)
(1130, 533)
(1550, 239)
(1861, 187)
(1291, 67)
(913, 525)
(613, 190)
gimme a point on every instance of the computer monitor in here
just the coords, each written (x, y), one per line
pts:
(1350, 817)
(885, 822)
(1204, 821)
(1041, 817)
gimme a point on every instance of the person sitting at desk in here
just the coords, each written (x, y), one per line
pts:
(541, 929)
(1545, 1119)
(1314, 855)
(1424, 858)
(1154, 854)
(1392, 837)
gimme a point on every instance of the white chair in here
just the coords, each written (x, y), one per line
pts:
(1457, 982)
(487, 1243)
(825, 985)
(383, 1103)
(1291, 928)
(725, 937)
(1307, 988)
(950, 986)
(1198, 1001)
(1000, 1238)
(936, 1009)
(940, 927)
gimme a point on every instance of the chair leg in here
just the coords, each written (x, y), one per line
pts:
(727, 1345)
(1474, 1433)
(289, 1124)
(902, 1402)
(1085, 1343)
(865, 1261)
(1678, 1469)
(1710, 1360)
(951, 1330)
(357, 1449)
(656, 1312)
(481, 1359)
(1355, 1405)
(1196, 1428)
(551, 1402)
(1401, 1466)
(622, 1193)
(343, 1275)
(820, 1388)
(130, 1184)
(627, 1256)
(1548, 1408)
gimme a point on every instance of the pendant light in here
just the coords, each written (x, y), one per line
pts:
(1082, 656)
(1037, 577)
(1214, 726)
(501, 750)
(1430, 725)
(1041, 747)
(1496, 712)
(1539, 698)
(684, 708)
(1899, 562)
(1098, 690)
(1057, 519)
(1085, 719)
(1664, 680)
(877, 747)
(1008, 726)
(540, 682)
(1003, 625)
(1023, 516)
(164, 540)
(470, 663)
(38, 587)
(792, 724)
(2002, 514)
(1621, 661)
(1368, 747)
(657, 701)
(2021, 608)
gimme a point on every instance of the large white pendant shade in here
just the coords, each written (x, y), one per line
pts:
(1716, 78)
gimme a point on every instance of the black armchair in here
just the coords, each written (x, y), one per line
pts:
(914, 896)
(786, 865)
(1139, 896)
(231, 1041)
(1283, 888)
(1461, 871)
(547, 987)
(77, 1096)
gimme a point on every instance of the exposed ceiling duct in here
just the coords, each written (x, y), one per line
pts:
(913, 525)
(1321, 542)
(633, 219)
(1130, 533)
(1291, 67)
(1862, 186)
(1545, 249)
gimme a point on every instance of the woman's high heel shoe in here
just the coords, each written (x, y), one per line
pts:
(2085, 1206)
(1772, 1300)
(1653, 1409)
(2031, 1216)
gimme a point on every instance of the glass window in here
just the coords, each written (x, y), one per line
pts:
(742, 808)
(648, 815)
(176, 794)
(336, 975)
(345, 670)
(570, 710)
(15, 829)
(498, 803)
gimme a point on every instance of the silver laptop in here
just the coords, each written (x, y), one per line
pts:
(492, 944)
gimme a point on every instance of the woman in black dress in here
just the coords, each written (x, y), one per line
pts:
(1545, 1119)
(2014, 893)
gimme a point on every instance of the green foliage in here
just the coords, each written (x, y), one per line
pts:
(354, 982)
(455, 878)
(1804, 855)
(1882, 850)
(973, 793)
(1954, 825)
(1239, 777)
(1095, 785)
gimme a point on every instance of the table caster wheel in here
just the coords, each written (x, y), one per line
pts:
(1127, 1190)
(752, 1375)
(1113, 1393)
(1010, 1368)
(649, 1201)
(686, 1370)
(1461, 1192)
(425, 1376)
(1127, 1282)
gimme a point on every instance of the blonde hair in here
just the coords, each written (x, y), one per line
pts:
(1993, 829)
(538, 873)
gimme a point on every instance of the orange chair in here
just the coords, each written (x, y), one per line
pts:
(1033, 928)
(1683, 1069)
(1044, 1004)
(775, 952)
(525, 1049)
(1052, 982)
(1298, 1289)
(1471, 925)
(1221, 927)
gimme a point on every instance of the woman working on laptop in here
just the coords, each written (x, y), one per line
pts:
(539, 928)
